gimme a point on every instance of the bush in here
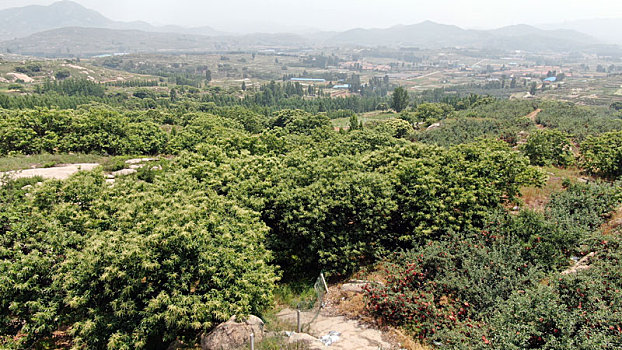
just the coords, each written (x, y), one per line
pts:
(602, 155)
(549, 147)
(338, 212)
(451, 284)
(134, 266)
(583, 208)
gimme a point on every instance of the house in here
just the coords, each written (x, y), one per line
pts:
(341, 86)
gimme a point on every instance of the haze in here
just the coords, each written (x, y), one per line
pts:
(310, 15)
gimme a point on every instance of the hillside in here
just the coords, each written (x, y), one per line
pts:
(605, 29)
(23, 21)
(93, 41)
(78, 41)
(434, 35)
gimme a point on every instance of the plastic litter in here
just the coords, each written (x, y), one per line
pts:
(331, 337)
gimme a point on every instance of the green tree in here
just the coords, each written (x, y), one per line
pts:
(533, 88)
(62, 74)
(602, 155)
(549, 147)
(400, 99)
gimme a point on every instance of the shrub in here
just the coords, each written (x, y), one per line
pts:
(602, 155)
(548, 147)
(134, 266)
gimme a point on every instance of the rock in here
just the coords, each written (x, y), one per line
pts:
(136, 166)
(232, 334)
(353, 287)
(176, 345)
(140, 160)
(310, 342)
(434, 126)
(109, 176)
(110, 181)
(330, 338)
(582, 264)
(27, 187)
(123, 172)
(616, 223)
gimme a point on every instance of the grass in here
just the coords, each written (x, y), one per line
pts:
(365, 118)
(296, 295)
(537, 197)
(45, 160)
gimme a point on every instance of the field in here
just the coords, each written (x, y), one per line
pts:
(479, 207)
(453, 70)
(364, 118)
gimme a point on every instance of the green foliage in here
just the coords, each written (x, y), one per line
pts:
(337, 212)
(548, 147)
(62, 74)
(583, 207)
(432, 112)
(490, 119)
(72, 87)
(400, 99)
(602, 155)
(451, 284)
(136, 265)
(169, 252)
(578, 311)
(500, 286)
(397, 128)
(578, 121)
(93, 131)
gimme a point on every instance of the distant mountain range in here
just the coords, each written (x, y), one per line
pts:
(20, 22)
(85, 42)
(608, 30)
(66, 28)
(434, 35)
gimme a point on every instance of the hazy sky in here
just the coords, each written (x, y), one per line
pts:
(344, 14)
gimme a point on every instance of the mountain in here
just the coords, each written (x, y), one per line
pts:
(605, 29)
(434, 35)
(23, 21)
(84, 42)
(425, 34)
(66, 28)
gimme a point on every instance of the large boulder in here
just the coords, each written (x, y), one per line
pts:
(232, 334)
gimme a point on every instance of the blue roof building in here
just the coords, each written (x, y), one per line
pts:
(550, 79)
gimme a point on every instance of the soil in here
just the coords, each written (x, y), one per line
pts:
(58, 172)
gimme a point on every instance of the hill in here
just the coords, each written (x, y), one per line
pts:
(77, 41)
(81, 42)
(605, 29)
(23, 21)
(434, 35)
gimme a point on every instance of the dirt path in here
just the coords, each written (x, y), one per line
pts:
(59, 172)
(20, 76)
(353, 334)
(533, 116)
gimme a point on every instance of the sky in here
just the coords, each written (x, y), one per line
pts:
(300, 15)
